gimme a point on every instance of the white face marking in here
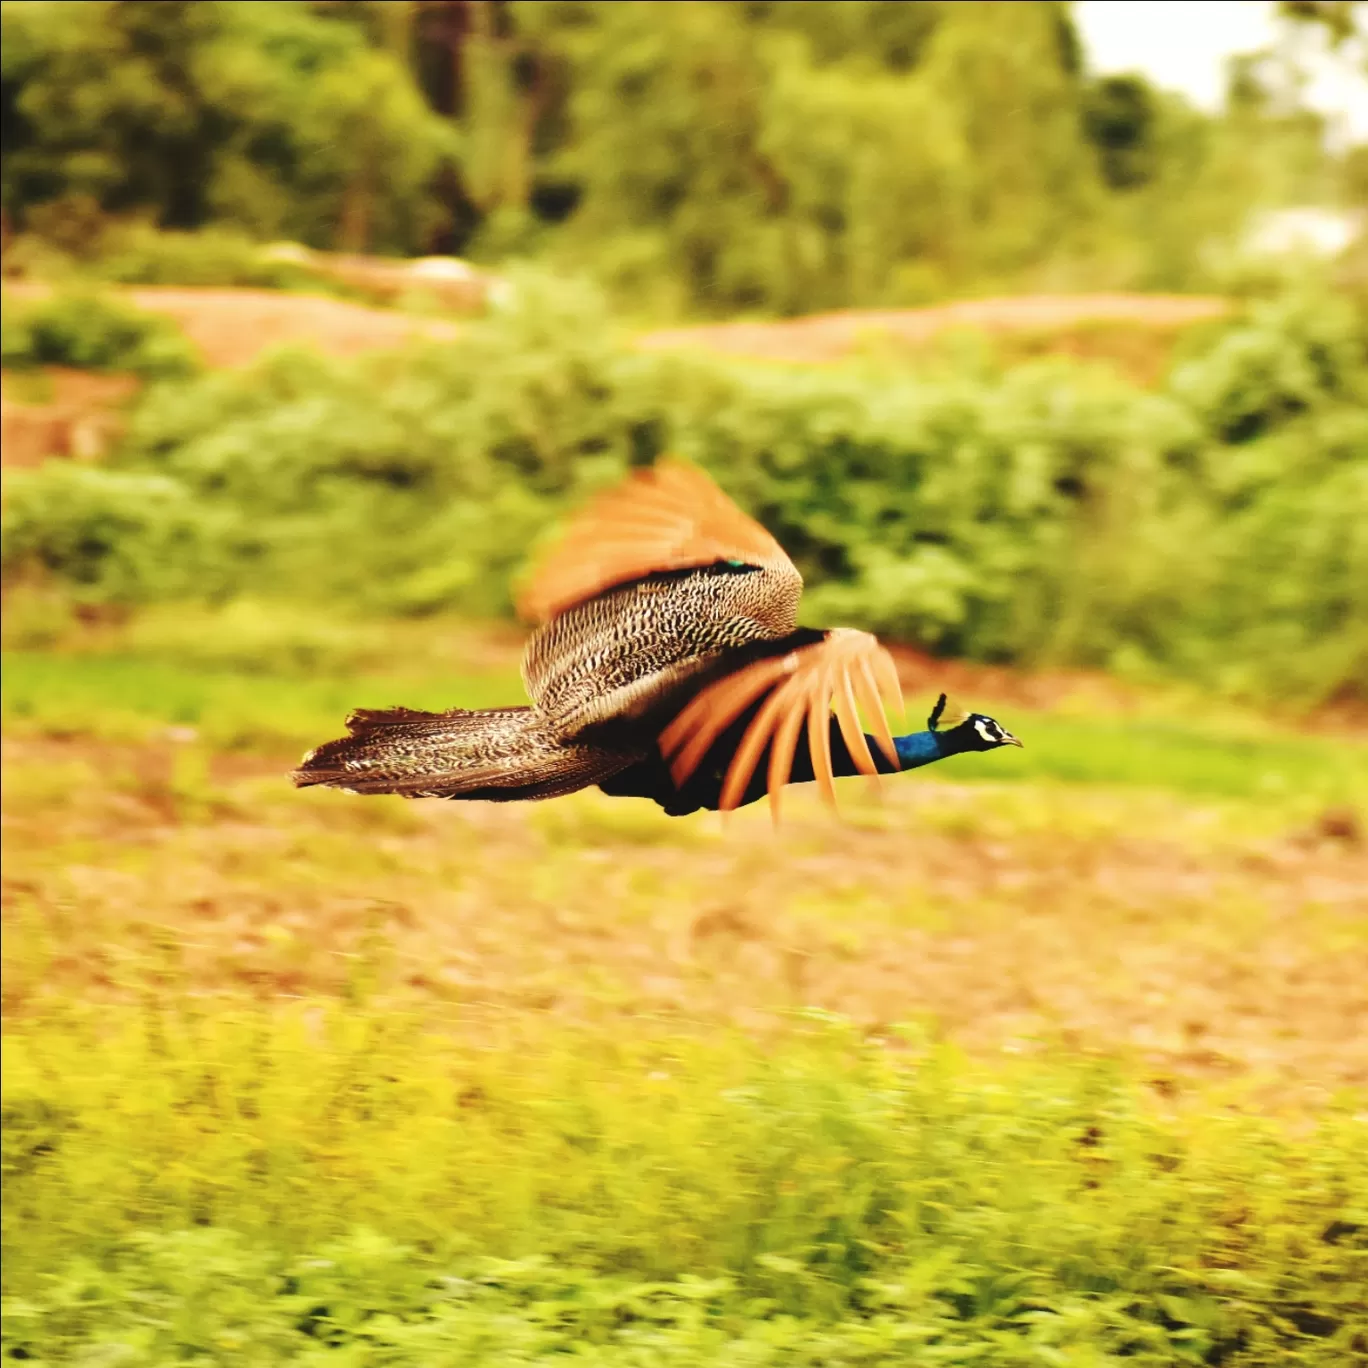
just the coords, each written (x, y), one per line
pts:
(988, 729)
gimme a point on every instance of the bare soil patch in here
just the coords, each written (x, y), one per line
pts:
(1138, 927)
(229, 328)
(62, 412)
(232, 327)
(832, 336)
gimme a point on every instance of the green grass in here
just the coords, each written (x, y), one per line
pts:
(303, 1078)
(130, 697)
(270, 709)
(198, 1184)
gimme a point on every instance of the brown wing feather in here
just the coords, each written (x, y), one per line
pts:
(844, 671)
(671, 517)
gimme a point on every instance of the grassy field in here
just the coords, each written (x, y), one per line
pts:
(1057, 1057)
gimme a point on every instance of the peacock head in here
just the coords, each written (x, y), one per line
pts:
(968, 731)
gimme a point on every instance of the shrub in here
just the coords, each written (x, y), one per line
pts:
(136, 254)
(110, 533)
(1047, 511)
(91, 332)
(213, 1185)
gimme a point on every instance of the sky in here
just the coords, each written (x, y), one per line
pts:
(1183, 44)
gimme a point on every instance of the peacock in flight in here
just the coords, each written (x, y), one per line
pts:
(667, 663)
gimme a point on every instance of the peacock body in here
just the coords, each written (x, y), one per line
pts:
(666, 664)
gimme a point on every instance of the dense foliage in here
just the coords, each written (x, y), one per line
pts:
(88, 331)
(237, 1187)
(257, 115)
(1047, 511)
(700, 154)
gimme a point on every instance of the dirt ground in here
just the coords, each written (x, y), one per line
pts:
(829, 337)
(1143, 927)
(231, 327)
(1139, 926)
(80, 417)
(63, 413)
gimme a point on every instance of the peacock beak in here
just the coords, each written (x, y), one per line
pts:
(1009, 740)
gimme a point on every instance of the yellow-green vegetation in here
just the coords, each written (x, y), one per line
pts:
(89, 331)
(324, 1183)
(270, 678)
(130, 697)
(1051, 1061)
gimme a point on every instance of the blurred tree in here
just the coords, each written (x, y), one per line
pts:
(1120, 114)
(892, 33)
(1355, 175)
(789, 156)
(1009, 75)
(99, 102)
(704, 155)
(1270, 147)
(1341, 18)
(256, 114)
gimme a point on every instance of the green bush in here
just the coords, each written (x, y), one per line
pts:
(1043, 512)
(132, 252)
(138, 254)
(257, 1186)
(110, 533)
(89, 331)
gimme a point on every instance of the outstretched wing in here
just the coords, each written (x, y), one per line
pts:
(844, 672)
(670, 517)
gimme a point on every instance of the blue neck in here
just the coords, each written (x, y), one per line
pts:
(917, 749)
(914, 750)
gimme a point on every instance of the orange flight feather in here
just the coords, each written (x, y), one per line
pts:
(670, 517)
(845, 672)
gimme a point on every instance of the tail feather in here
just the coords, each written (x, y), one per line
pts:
(498, 754)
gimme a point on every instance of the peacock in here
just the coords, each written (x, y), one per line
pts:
(666, 663)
